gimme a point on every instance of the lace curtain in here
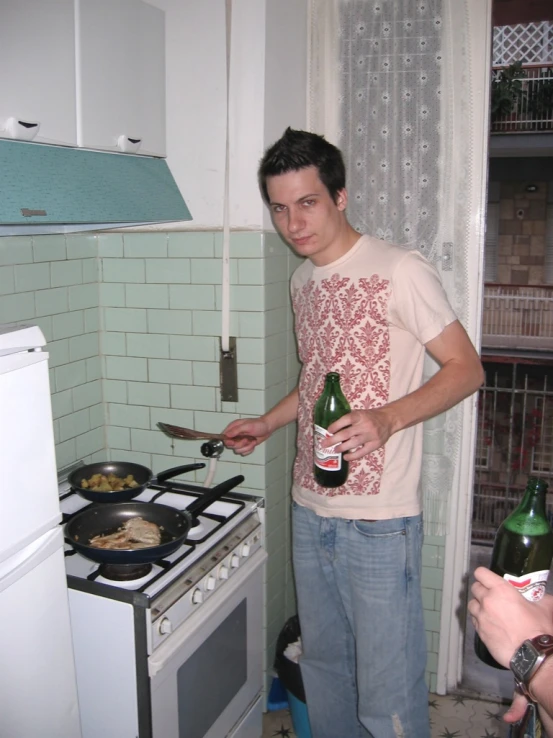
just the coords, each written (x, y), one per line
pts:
(391, 84)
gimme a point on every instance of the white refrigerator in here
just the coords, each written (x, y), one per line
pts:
(38, 693)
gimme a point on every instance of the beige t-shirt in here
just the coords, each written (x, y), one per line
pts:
(366, 316)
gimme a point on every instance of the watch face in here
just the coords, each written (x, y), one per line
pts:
(523, 661)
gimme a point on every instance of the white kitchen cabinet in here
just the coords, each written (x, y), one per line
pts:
(121, 76)
(37, 72)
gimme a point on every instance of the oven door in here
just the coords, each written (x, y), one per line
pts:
(209, 674)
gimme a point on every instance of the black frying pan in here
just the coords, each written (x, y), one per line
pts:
(107, 519)
(142, 475)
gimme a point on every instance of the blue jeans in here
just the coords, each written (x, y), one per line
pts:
(360, 609)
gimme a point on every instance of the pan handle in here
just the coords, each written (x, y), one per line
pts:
(201, 503)
(176, 470)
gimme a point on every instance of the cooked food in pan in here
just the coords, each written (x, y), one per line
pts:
(108, 483)
(134, 533)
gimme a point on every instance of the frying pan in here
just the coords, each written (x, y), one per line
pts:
(141, 474)
(107, 519)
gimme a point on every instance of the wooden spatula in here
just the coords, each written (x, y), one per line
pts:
(187, 434)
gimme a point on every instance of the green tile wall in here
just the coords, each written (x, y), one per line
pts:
(161, 300)
(133, 322)
(53, 281)
(433, 554)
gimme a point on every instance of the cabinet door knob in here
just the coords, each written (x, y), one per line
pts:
(129, 145)
(24, 130)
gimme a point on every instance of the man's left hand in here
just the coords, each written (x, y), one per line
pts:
(360, 432)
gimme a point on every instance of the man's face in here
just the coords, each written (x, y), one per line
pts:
(306, 216)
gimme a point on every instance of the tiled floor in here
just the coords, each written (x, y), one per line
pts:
(451, 717)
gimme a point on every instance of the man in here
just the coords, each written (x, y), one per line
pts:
(368, 310)
(504, 620)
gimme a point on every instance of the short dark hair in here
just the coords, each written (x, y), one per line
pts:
(297, 150)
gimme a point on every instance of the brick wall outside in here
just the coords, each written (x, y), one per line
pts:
(522, 224)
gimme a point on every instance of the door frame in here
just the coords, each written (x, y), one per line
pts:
(476, 17)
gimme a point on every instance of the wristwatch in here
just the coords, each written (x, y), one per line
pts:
(527, 659)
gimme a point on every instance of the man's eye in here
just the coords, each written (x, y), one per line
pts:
(309, 203)
(278, 208)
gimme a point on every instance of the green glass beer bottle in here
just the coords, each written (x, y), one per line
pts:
(330, 469)
(523, 551)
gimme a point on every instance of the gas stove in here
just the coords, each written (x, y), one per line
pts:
(222, 537)
(152, 630)
(211, 527)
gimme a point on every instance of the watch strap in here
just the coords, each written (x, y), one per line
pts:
(543, 644)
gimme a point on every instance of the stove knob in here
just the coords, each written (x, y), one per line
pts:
(197, 596)
(245, 550)
(210, 583)
(234, 561)
(165, 627)
(223, 572)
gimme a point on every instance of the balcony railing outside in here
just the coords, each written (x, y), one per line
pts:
(530, 43)
(532, 101)
(516, 317)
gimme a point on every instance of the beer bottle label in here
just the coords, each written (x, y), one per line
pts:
(325, 458)
(531, 586)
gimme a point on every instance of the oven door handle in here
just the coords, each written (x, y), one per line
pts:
(164, 653)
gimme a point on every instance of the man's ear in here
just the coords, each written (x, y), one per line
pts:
(342, 199)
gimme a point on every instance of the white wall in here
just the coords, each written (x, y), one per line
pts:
(285, 71)
(267, 93)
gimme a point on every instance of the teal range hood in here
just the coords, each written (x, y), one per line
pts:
(55, 189)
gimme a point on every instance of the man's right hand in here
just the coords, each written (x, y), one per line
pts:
(256, 429)
(503, 618)
(261, 428)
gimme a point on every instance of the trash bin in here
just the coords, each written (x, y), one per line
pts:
(289, 673)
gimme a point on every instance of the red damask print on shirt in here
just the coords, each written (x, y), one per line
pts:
(342, 326)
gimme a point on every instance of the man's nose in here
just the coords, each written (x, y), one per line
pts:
(295, 221)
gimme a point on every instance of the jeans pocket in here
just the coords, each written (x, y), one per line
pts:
(380, 528)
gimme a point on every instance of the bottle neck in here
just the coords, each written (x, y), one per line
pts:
(530, 517)
(332, 380)
(533, 502)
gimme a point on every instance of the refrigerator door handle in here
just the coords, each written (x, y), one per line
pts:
(24, 561)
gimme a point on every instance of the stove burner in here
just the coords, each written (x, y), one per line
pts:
(210, 527)
(124, 572)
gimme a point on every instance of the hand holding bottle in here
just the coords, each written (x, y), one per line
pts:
(361, 432)
(504, 619)
(522, 552)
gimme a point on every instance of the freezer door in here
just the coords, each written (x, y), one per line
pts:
(17, 336)
(38, 693)
(29, 497)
